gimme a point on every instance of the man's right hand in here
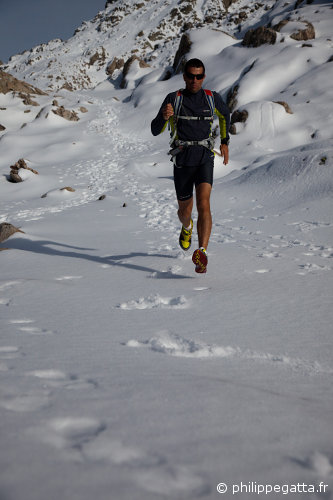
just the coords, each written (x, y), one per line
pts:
(167, 111)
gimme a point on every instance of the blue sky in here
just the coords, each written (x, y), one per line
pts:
(26, 23)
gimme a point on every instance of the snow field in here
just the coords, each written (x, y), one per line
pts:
(125, 374)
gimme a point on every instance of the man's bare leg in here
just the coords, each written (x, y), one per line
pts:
(185, 211)
(204, 225)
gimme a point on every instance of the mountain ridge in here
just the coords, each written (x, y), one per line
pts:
(82, 60)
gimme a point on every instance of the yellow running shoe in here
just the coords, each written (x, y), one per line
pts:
(185, 237)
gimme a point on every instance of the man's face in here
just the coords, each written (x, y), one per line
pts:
(194, 84)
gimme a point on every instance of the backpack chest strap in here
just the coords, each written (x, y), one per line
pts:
(199, 118)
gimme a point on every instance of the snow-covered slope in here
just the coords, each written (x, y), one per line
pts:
(125, 375)
(150, 30)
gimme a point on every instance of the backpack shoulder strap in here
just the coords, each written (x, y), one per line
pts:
(178, 103)
(210, 100)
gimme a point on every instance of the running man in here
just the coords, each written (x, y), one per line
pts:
(190, 115)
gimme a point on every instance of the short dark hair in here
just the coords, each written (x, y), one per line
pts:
(194, 63)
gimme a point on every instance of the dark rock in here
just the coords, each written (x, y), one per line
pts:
(285, 105)
(227, 3)
(183, 49)
(27, 101)
(6, 230)
(99, 57)
(237, 117)
(307, 33)
(14, 170)
(65, 113)
(259, 36)
(127, 66)
(115, 64)
(280, 25)
(9, 83)
(232, 97)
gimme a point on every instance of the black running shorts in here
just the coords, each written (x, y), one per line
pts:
(187, 177)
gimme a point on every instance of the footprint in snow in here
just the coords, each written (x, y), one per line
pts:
(21, 321)
(8, 284)
(69, 435)
(32, 330)
(175, 345)
(105, 449)
(9, 352)
(23, 403)
(311, 268)
(150, 471)
(318, 463)
(268, 255)
(5, 301)
(173, 480)
(155, 302)
(57, 378)
(68, 278)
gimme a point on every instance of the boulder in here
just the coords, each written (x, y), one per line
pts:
(238, 117)
(285, 105)
(14, 175)
(117, 63)
(6, 230)
(232, 97)
(98, 57)
(227, 3)
(128, 65)
(65, 113)
(9, 83)
(307, 33)
(259, 36)
(183, 49)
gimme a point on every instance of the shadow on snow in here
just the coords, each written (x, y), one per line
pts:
(45, 247)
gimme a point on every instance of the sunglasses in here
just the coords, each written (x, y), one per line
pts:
(190, 76)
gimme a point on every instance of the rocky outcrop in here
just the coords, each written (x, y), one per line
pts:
(65, 113)
(183, 49)
(259, 36)
(232, 97)
(237, 117)
(116, 64)
(14, 175)
(307, 33)
(278, 27)
(127, 67)
(285, 105)
(6, 230)
(227, 3)
(66, 189)
(108, 2)
(98, 57)
(9, 83)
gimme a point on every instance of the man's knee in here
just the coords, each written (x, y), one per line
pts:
(185, 207)
(203, 204)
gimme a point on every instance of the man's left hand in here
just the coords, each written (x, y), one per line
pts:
(224, 153)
